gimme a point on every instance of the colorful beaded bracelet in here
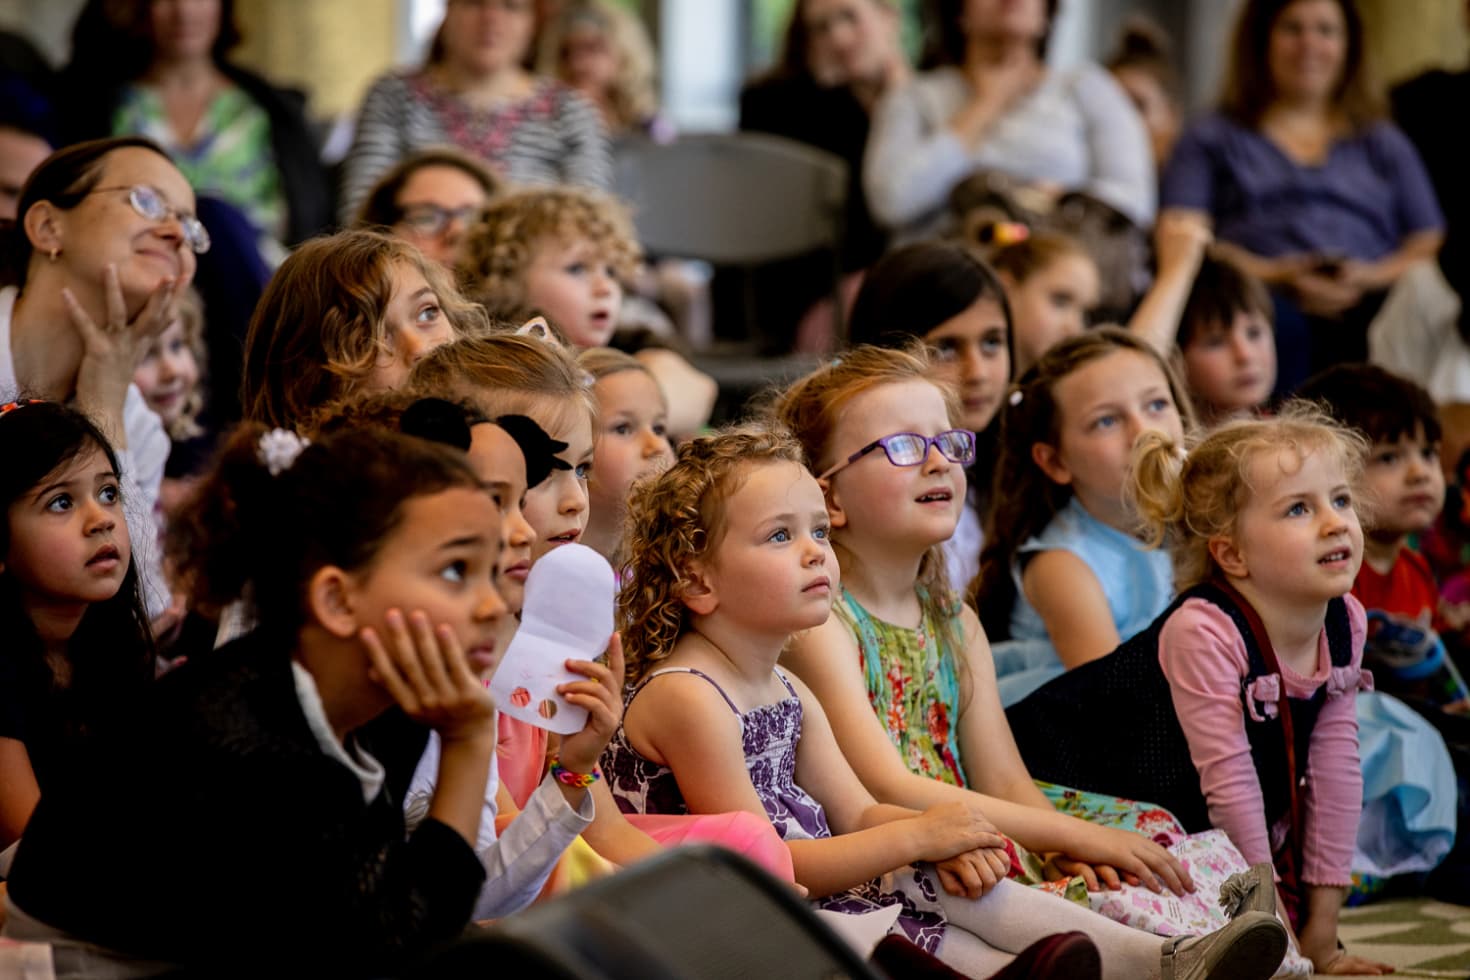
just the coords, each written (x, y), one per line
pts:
(576, 780)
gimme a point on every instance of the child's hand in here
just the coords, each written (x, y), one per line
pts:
(973, 873)
(950, 829)
(602, 695)
(426, 673)
(1107, 851)
(1341, 963)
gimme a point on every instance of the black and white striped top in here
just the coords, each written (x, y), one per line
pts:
(552, 136)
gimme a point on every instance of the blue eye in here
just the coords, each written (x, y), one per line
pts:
(1104, 421)
(822, 533)
(1296, 510)
(780, 536)
(1160, 405)
(623, 428)
(1342, 501)
(583, 470)
(429, 314)
(575, 268)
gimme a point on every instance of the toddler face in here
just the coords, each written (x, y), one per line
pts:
(1051, 305)
(576, 285)
(1233, 369)
(168, 373)
(633, 440)
(1405, 484)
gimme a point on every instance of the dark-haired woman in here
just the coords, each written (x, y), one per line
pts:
(160, 69)
(1309, 188)
(430, 199)
(474, 94)
(988, 102)
(107, 240)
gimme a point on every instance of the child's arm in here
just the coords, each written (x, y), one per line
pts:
(1203, 656)
(1318, 936)
(1065, 593)
(612, 836)
(19, 793)
(1180, 240)
(682, 722)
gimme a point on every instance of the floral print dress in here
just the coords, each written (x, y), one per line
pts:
(769, 735)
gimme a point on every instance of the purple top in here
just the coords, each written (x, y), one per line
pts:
(769, 735)
(1370, 194)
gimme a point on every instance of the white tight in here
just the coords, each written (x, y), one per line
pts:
(985, 934)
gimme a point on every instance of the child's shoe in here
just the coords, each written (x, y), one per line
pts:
(1250, 891)
(1249, 947)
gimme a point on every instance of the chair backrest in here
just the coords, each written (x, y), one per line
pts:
(691, 913)
(732, 199)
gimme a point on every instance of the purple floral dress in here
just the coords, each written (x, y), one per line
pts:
(769, 735)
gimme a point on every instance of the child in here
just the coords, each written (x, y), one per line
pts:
(1063, 578)
(603, 51)
(1052, 284)
(504, 374)
(168, 378)
(77, 654)
(632, 441)
(1237, 705)
(945, 294)
(346, 313)
(928, 689)
(1226, 344)
(370, 557)
(568, 253)
(729, 556)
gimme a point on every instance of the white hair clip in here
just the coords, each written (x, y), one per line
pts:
(1016, 397)
(278, 449)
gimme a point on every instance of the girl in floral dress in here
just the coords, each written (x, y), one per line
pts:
(729, 556)
(904, 671)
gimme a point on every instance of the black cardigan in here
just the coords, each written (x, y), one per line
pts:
(220, 837)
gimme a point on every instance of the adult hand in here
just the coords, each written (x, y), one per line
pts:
(426, 673)
(602, 695)
(111, 350)
(1325, 296)
(1366, 277)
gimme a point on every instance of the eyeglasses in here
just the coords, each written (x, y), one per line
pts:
(431, 219)
(911, 449)
(149, 203)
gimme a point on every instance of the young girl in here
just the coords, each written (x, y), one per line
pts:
(1250, 675)
(370, 557)
(945, 294)
(603, 51)
(521, 374)
(1063, 578)
(78, 654)
(168, 376)
(905, 675)
(632, 441)
(1052, 284)
(351, 312)
(730, 557)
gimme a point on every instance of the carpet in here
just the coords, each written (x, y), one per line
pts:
(1419, 936)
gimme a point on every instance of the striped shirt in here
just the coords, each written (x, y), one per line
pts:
(552, 136)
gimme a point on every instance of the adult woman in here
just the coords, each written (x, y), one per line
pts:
(159, 68)
(1308, 187)
(106, 240)
(430, 199)
(474, 94)
(989, 103)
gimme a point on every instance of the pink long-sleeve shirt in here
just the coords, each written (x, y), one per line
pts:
(1204, 657)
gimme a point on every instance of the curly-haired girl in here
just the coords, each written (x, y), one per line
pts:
(730, 556)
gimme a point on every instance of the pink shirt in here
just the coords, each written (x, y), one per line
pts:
(1204, 657)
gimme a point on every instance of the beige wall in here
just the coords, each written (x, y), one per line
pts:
(332, 49)
(1407, 37)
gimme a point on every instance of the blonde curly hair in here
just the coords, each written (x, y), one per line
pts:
(502, 244)
(1186, 496)
(676, 518)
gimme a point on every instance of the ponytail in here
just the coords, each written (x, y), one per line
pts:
(1156, 487)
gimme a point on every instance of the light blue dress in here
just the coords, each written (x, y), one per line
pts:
(1138, 582)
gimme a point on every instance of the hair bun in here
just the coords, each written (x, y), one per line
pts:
(438, 421)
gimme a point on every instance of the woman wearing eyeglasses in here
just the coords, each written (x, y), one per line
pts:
(430, 199)
(105, 242)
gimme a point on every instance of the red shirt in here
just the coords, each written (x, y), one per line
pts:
(1408, 590)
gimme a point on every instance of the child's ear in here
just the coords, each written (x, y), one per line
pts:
(329, 599)
(835, 511)
(1049, 461)
(43, 227)
(696, 591)
(1229, 557)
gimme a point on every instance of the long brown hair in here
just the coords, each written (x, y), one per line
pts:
(1249, 88)
(319, 326)
(1025, 499)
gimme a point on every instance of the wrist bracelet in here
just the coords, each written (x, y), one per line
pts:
(576, 780)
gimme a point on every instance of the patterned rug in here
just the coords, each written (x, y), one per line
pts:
(1421, 937)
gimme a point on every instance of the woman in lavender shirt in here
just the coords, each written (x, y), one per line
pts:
(1309, 188)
